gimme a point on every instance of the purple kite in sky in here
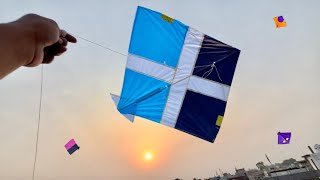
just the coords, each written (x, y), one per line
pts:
(284, 137)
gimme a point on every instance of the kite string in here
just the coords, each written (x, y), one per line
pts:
(39, 118)
(97, 44)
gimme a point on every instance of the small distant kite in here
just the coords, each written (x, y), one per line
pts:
(71, 146)
(280, 22)
(284, 137)
(176, 75)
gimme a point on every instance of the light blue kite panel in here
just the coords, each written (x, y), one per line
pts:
(143, 96)
(157, 37)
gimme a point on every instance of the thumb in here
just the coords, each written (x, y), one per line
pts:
(37, 57)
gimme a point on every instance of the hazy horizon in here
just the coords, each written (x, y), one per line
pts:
(275, 88)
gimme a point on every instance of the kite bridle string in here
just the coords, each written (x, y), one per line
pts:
(39, 118)
(207, 73)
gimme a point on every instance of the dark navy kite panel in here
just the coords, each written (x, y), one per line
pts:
(224, 56)
(198, 115)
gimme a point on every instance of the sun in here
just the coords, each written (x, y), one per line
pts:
(148, 156)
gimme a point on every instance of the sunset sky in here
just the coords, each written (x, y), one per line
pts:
(276, 87)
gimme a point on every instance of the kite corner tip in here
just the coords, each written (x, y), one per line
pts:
(130, 117)
(116, 99)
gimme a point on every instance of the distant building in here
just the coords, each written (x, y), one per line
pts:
(218, 178)
(290, 171)
(304, 169)
(241, 171)
(239, 178)
(255, 174)
(307, 175)
(241, 174)
(314, 158)
(305, 164)
(224, 177)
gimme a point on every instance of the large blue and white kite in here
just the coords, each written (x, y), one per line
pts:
(176, 75)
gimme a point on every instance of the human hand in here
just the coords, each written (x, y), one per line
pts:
(46, 41)
(57, 48)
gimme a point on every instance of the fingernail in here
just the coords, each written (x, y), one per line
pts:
(60, 41)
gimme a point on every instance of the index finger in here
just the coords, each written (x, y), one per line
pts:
(70, 38)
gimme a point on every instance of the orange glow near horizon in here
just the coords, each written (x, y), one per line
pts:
(149, 146)
(146, 152)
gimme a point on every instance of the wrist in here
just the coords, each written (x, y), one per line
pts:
(25, 41)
